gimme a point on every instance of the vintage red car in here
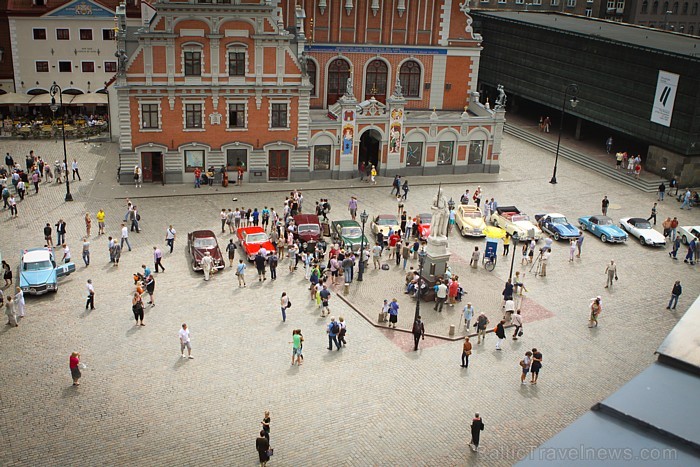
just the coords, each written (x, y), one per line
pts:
(252, 239)
(201, 241)
(424, 225)
(308, 230)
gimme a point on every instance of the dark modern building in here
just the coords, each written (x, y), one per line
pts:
(638, 84)
(679, 16)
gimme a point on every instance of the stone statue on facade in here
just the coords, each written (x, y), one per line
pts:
(303, 64)
(441, 215)
(501, 99)
(348, 87)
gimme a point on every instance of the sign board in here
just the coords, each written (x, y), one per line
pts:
(83, 9)
(665, 97)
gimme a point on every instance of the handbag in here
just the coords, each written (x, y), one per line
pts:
(520, 334)
(289, 303)
(270, 452)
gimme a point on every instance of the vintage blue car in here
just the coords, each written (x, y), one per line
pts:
(604, 228)
(38, 272)
(557, 225)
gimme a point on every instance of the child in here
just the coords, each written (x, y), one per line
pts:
(385, 311)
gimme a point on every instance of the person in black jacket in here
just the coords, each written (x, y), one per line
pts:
(262, 445)
(418, 332)
(675, 293)
(500, 333)
(477, 428)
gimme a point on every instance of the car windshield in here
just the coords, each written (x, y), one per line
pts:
(520, 217)
(38, 266)
(559, 220)
(425, 218)
(471, 215)
(312, 228)
(204, 243)
(386, 221)
(256, 238)
(643, 225)
(351, 232)
(604, 221)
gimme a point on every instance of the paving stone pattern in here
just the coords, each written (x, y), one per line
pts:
(372, 403)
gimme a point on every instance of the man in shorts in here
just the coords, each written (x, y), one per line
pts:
(47, 235)
(185, 341)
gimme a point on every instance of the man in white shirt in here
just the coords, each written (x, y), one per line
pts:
(376, 255)
(441, 295)
(509, 308)
(170, 237)
(207, 265)
(185, 341)
(518, 323)
(125, 237)
(66, 253)
(91, 295)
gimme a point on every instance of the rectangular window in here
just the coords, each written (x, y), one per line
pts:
(322, 157)
(570, 3)
(194, 159)
(110, 67)
(236, 115)
(149, 116)
(65, 67)
(279, 116)
(62, 34)
(620, 5)
(502, 1)
(193, 64)
(236, 63)
(554, 3)
(476, 152)
(611, 4)
(86, 34)
(88, 67)
(193, 115)
(445, 152)
(519, 2)
(108, 34)
(589, 12)
(39, 34)
(42, 67)
(537, 2)
(414, 154)
(236, 158)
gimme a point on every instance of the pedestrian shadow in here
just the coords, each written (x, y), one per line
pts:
(5, 328)
(293, 370)
(132, 330)
(332, 355)
(282, 325)
(70, 392)
(529, 391)
(180, 362)
(85, 314)
(414, 354)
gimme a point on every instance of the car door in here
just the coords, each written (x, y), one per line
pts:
(65, 269)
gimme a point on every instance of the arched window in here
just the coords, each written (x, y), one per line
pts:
(675, 8)
(685, 8)
(375, 82)
(691, 30)
(655, 7)
(695, 8)
(665, 8)
(311, 70)
(338, 74)
(645, 6)
(409, 74)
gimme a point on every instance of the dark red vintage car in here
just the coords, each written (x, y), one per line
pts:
(198, 243)
(308, 230)
(252, 239)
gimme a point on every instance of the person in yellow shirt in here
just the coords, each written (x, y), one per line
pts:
(506, 244)
(373, 175)
(100, 221)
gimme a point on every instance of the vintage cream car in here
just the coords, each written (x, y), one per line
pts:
(515, 223)
(469, 220)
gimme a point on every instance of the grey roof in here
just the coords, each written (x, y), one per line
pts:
(639, 36)
(680, 348)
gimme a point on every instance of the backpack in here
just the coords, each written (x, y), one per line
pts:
(335, 327)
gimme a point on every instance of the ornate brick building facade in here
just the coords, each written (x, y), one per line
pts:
(302, 92)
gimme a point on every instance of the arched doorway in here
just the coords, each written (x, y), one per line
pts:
(370, 148)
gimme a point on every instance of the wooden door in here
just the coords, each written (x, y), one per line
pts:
(147, 166)
(279, 165)
(157, 166)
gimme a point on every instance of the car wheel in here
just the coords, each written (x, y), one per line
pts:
(642, 241)
(556, 236)
(684, 239)
(583, 226)
(603, 238)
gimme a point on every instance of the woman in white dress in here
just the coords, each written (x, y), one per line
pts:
(10, 312)
(19, 303)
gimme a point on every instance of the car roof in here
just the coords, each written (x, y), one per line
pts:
(386, 216)
(306, 219)
(203, 234)
(555, 214)
(347, 223)
(36, 255)
(636, 220)
(600, 218)
(469, 208)
(507, 209)
(251, 230)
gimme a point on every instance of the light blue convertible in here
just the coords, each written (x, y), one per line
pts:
(38, 272)
(603, 228)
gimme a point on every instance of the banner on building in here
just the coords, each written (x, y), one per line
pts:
(664, 99)
(348, 131)
(395, 131)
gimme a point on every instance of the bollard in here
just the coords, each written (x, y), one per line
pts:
(346, 289)
(452, 329)
(380, 318)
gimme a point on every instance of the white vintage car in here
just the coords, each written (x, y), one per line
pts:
(515, 223)
(641, 228)
(687, 232)
(470, 221)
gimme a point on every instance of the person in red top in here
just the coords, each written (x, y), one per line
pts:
(453, 289)
(74, 363)
(197, 177)
(394, 238)
(240, 175)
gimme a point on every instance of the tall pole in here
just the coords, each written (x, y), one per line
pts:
(421, 263)
(512, 260)
(363, 218)
(573, 89)
(55, 88)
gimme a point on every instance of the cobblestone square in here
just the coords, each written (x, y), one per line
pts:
(375, 402)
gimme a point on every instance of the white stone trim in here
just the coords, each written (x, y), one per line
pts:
(185, 101)
(437, 86)
(269, 113)
(48, 62)
(237, 47)
(160, 116)
(191, 32)
(192, 47)
(445, 17)
(474, 73)
(243, 101)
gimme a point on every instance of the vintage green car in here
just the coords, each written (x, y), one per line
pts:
(348, 234)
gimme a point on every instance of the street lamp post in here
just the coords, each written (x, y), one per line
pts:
(56, 89)
(421, 262)
(451, 206)
(572, 90)
(363, 218)
(512, 260)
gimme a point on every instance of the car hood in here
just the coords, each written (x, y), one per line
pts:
(308, 236)
(613, 230)
(525, 225)
(566, 230)
(474, 223)
(198, 253)
(355, 240)
(251, 248)
(655, 235)
(28, 278)
(385, 228)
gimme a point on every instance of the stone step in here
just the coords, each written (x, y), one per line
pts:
(645, 185)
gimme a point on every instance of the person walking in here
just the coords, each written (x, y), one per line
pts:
(468, 312)
(675, 293)
(272, 261)
(185, 337)
(284, 304)
(661, 191)
(686, 199)
(466, 352)
(90, 295)
(100, 216)
(231, 251)
(86, 252)
(137, 308)
(266, 421)
(653, 214)
(373, 175)
(76, 171)
(150, 283)
(596, 308)
(481, 322)
(240, 273)
(611, 272)
(405, 254)
(517, 321)
(352, 207)
(170, 237)
(440, 295)
(535, 366)
(66, 254)
(74, 365)
(332, 330)
(158, 258)
(11, 312)
(297, 344)
(12, 203)
(393, 313)
(116, 252)
(604, 205)
(124, 237)
(500, 332)
(405, 188)
(325, 295)
(207, 264)
(6, 273)
(418, 331)
(690, 255)
(674, 226)
(476, 429)
(676, 245)
(262, 445)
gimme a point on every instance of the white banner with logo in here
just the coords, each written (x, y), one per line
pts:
(666, 86)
